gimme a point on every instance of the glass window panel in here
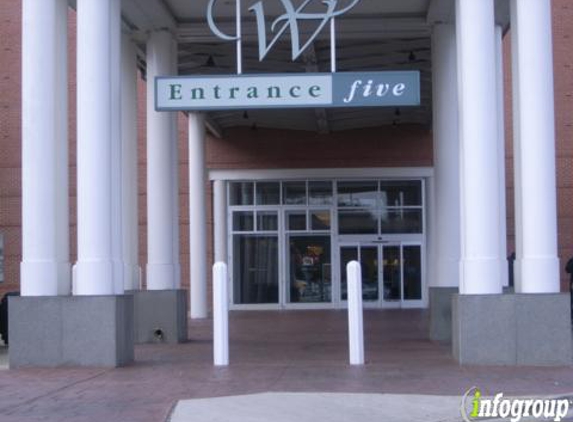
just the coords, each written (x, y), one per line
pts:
(369, 266)
(412, 272)
(320, 193)
(267, 221)
(347, 254)
(320, 220)
(243, 221)
(255, 269)
(402, 221)
(358, 194)
(294, 193)
(268, 193)
(392, 270)
(310, 269)
(357, 222)
(296, 220)
(241, 193)
(402, 193)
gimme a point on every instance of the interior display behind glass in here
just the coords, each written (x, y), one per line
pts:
(320, 220)
(309, 269)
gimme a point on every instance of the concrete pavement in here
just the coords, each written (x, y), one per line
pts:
(273, 352)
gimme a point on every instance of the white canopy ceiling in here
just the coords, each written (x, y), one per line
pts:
(375, 35)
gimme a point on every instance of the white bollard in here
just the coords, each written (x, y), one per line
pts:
(355, 314)
(220, 315)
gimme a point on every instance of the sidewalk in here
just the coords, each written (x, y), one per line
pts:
(271, 352)
(323, 407)
(319, 407)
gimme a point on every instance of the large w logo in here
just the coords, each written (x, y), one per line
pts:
(287, 21)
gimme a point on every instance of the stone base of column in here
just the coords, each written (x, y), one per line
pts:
(160, 316)
(441, 313)
(512, 329)
(71, 331)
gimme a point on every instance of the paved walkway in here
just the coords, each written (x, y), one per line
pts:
(276, 352)
(319, 407)
(326, 407)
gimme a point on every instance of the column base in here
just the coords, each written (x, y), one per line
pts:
(441, 313)
(54, 278)
(132, 277)
(512, 329)
(71, 331)
(160, 316)
(161, 276)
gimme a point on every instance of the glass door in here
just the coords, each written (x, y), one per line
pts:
(412, 280)
(391, 273)
(402, 274)
(369, 257)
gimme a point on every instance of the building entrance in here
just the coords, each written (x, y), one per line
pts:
(391, 273)
(290, 242)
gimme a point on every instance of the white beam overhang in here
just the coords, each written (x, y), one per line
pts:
(443, 11)
(350, 28)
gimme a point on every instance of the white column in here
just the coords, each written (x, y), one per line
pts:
(129, 155)
(220, 315)
(45, 267)
(479, 189)
(197, 216)
(175, 182)
(431, 233)
(516, 147)
(220, 220)
(116, 154)
(161, 266)
(501, 156)
(446, 157)
(97, 70)
(535, 172)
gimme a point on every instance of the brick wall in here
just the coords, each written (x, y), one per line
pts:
(10, 154)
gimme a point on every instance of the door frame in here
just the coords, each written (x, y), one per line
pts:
(425, 174)
(381, 303)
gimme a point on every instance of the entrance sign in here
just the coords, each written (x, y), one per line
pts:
(288, 20)
(322, 90)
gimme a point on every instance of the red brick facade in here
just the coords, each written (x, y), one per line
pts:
(257, 149)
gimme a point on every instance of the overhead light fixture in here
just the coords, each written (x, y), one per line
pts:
(210, 62)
